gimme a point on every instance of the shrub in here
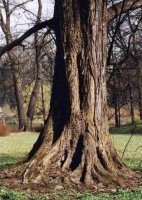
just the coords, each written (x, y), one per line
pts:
(3, 130)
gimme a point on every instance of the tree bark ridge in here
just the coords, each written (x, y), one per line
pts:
(82, 150)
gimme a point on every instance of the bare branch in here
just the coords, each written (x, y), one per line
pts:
(2, 24)
(19, 5)
(116, 9)
(49, 23)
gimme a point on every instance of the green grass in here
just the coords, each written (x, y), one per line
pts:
(133, 153)
(13, 148)
(120, 194)
(128, 129)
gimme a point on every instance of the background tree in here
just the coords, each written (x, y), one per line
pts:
(6, 28)
(122, 59)
(19, 60)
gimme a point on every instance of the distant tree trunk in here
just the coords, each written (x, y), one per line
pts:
(6, 28)
(139, 83)
(116, 102)
(117, 115)
(34, 95)
(18, 90)
(81, 150)
(38, 78)
(43, 102)
(140, 102)
(131, 104)
(117, 109)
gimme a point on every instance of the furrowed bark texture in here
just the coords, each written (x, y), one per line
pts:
(81, 151)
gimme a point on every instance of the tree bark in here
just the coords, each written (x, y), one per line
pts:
(117, 115)
(122, 7)
(18, 90)
(39, 75)
(43, 102)
(81, 150)
(34, 96)
(6, 28)
(132, 114)
(139, 83)
(116, 97)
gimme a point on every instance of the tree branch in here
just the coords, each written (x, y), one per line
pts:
(116, 9)
(17, 6)
(49, 23)
(2, 23)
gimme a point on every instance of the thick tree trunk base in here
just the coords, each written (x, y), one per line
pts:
(77, 158)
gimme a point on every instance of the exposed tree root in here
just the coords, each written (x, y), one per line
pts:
(79, 157)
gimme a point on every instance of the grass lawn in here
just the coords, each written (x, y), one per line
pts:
(13, 148)
(129, 137)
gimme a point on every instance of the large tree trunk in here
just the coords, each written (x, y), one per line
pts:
(81, 149)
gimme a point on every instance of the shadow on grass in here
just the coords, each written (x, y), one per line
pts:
(126, 129)
(6, 160)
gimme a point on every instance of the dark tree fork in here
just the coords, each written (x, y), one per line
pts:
(75, 145)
